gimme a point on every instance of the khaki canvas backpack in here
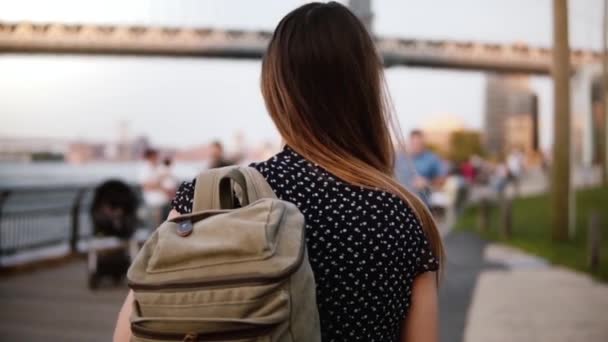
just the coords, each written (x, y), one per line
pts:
(226, 272)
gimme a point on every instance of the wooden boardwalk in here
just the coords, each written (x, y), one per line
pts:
(55, 305)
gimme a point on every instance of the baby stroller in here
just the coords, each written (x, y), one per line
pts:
(114, 219)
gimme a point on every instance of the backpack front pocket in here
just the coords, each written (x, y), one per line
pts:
(266, 303)
(222, 314)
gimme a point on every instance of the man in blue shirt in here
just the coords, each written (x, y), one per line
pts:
(429, 167)
(406, 174)
(405, 170)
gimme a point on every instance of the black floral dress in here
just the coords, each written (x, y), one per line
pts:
(365, 247)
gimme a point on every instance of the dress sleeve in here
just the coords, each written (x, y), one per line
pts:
(425, 259)
(184, 197)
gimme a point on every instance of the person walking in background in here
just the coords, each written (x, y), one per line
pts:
(468, 171)
(405, 171)
(430, 170)
(216, 155)
(515, 168)
(150, 179)
(168, 182)
(373, 246)
(515, 163)
(500, 178)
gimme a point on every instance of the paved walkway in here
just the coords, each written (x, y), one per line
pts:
(54, 304)
(464, 264)
(531, 301)
(489, 294)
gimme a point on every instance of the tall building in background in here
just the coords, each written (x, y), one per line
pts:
(511, 115)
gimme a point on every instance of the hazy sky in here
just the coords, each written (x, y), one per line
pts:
(184, 102)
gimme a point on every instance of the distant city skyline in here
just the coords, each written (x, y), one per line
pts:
(185, 102)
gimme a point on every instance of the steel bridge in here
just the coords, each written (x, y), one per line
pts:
(58, 38)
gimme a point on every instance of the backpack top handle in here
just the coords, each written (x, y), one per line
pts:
(226, 190)
(214, 188)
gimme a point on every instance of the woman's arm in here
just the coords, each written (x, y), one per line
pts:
(122, 332)
(422, 322)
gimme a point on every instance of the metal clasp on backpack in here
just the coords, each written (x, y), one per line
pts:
(191, 337)
(184, 228)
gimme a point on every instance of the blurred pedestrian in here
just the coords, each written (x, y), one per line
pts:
(405, 170)
(515, 168)
(150, 180)
(430, 170)
(500, 178)
(216, 155)
(468, 171)
(168, 182)
(515, 163)
(406, 174)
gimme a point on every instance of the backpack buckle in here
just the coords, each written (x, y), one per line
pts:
(191, 337)
(184, 228)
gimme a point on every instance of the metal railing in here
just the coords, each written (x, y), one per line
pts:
(35, 217)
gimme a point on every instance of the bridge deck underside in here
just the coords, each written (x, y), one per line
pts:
(190, 42)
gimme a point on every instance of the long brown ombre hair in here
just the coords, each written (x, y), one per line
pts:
(323, 85)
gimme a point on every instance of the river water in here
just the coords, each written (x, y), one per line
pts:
(21, 174)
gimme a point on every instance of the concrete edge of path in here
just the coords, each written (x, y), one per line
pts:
(531, 300)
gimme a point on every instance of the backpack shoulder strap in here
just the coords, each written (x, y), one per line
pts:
(257, 185)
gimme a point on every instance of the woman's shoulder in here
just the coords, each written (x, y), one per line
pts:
(184, 196)
(281, 162)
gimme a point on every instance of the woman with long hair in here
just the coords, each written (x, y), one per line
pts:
(374, 248)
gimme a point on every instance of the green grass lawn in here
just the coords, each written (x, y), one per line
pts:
(532, 229)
